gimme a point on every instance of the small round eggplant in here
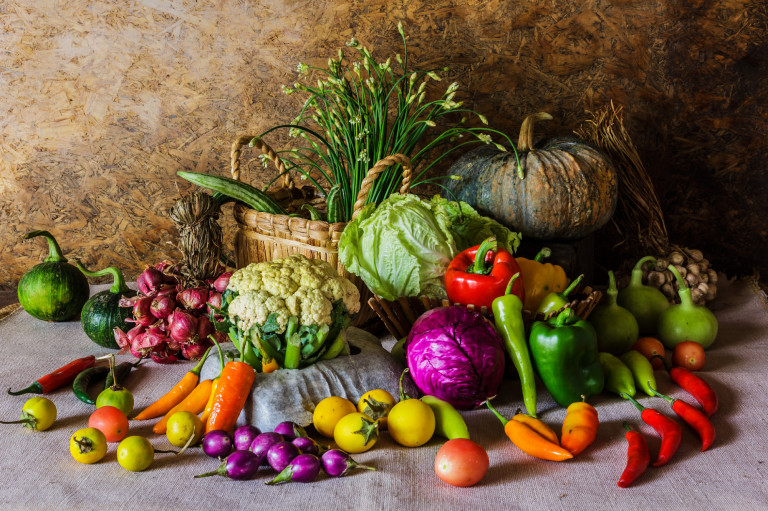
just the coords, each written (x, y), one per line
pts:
(337, 463)
(281, 454)
(290, 430)
(240, 466)
(304, 468)
(243, 437)
(306, 445)
(217, 443)
(264, 441)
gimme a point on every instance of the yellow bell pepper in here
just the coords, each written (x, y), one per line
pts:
(540, 279)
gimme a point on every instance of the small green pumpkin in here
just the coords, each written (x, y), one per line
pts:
(102, 312)
(562, 189)
(53, 290)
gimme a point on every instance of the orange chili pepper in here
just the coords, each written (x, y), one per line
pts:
(174, 396)
(530, 441)
(194, 402)
(270, 367)
(579, 427)
(234, 386)
(539, 426)
(214, 386)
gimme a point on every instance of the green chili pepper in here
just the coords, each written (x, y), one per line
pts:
(564, 352)
(85, 378)
(642, 370)
(122, 370)
(508, 317)
(618, 377)
(555, 301)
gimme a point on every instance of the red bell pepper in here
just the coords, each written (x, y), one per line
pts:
(479, 274)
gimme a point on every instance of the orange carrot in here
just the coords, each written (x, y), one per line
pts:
(174, 396)
(234, 386)
(194, 402)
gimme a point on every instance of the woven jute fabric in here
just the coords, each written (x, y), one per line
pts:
(39, 473)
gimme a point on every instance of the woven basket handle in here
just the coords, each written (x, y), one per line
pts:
(263, 148)
(378, 168)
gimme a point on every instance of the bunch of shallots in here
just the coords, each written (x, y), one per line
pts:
(171, 321)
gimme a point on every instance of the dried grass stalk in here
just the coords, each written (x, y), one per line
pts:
(196, 216)
(638, 217)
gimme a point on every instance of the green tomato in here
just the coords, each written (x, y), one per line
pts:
(184, 428)
(117, 396)
(135, 453)
(38, 413)
(88, 445)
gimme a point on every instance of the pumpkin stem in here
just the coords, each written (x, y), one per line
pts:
(118, 281)
(525, 141)
(54, 251)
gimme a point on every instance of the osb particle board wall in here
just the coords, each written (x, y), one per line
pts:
(102, 102)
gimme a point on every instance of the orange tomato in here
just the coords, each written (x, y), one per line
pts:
(689, 355)
(649, 347)
(461, 462)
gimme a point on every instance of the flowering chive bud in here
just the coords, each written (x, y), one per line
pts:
(482, 118)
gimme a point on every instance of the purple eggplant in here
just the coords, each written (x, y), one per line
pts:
(217, 443)
(306, 445)
(240, 465)
(281, 454)
(290, 430)
(243, 437)
(337, 463)
(263, 442)
(304, 468)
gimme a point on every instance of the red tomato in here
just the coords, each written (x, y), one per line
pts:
(111, 421)
(689, 354)
(461, 462)
(650, 346)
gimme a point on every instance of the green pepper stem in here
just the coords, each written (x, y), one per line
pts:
(563, 318)
(572, 285)
(663, 361)
(511, 283)
(35, 388)
(496, 412)
(488, 245)
(221, 353)
(626, 426)
(637, 271)
(199, 367)
(54, 251)
(544, 253)
(656, 393)
(118, 281)
(633, 401)
(684, 291)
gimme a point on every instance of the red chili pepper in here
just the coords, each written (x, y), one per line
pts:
(670, 431)
(60, 377)
(694, 418)
(696, 387)
(638, 457)
(473, 279)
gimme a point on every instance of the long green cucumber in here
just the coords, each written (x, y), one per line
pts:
(238, 190)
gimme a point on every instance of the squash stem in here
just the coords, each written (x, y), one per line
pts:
(54, 251)
(118, 281)
(525, 140)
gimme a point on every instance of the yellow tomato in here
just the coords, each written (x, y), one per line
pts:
(356, 432)
(411, 422)
(376, 404)
(184, 428)
(329, 411)
(88, 445)
(135, 453)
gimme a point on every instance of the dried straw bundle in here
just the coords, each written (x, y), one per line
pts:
(196, 216)
(638, 217)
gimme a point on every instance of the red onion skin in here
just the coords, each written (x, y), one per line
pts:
(221, 283)
(150, 281)
(194, 350)
(183, 326)
(192, 298)
(162, 306)
(142, 313)
(163, 355)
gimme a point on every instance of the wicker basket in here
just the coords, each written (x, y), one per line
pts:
(399, 315)
(263, 236)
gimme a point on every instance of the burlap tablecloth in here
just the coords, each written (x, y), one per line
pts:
(39, 473)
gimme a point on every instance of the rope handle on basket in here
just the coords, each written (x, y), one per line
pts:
(263, 148)
(378, 168)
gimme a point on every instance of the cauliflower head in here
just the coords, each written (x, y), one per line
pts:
(293, 286)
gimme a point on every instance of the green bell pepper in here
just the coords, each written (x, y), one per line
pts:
(564, 351)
